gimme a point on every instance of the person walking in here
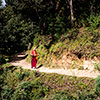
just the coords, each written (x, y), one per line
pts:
(33, 58)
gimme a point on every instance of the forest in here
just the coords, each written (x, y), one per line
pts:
(45, 22)
(54, 27)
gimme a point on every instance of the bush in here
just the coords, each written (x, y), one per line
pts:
(37, 86)
(97, 66)
(20, 74)
(22, 91)
(97, 85)
(94, 21)
(6, 93)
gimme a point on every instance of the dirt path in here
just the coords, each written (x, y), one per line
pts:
(19, 60)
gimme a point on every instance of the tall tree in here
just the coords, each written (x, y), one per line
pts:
(71, 10)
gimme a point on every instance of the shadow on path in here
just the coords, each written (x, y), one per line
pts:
(39, 66)
(18, 57)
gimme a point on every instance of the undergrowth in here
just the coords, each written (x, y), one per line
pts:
(83, 42)
(17, 83)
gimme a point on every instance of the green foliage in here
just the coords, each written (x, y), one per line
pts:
(56, 48)
(97, 66)
(27, 73)
(22, 91)
(97, 85)
(80, 96)
(94, 21)
(20, 74)
(82, 43)
(6, 92)
(38, 90)
(1, 83)
(62, 97)
(15, 33)
(47, 25)
(43, 22)
(85, 44)
(38, 86)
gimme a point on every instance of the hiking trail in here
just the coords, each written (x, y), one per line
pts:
(20, 61)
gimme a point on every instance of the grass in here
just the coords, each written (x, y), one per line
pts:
(97, 66)
(83, 43)
(36, 85)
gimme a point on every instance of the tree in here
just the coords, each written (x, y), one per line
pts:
(71, 10)
(14, 33)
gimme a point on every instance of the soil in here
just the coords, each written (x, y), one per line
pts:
(20, 61)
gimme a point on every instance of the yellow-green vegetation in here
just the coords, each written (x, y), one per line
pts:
(17, 83)
(60, 42)
(86, 43)
(76, 44)
(97, 66)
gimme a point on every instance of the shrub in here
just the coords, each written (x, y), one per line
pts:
(94, 21)
(97, 66)
(97, 85)
(20, 74)
(27, 73)
(22, 91)
(6, 93)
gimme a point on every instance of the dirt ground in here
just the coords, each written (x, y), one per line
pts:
(20, 61)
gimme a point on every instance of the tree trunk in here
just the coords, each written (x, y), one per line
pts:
(71, 10)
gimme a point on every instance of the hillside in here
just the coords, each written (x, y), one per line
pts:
(30, 84)
(81, 52)
(20, 61)
(66, 34)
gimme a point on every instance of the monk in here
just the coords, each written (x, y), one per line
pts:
(33, 58)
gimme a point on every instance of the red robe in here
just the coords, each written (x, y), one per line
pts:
(33, 58)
